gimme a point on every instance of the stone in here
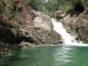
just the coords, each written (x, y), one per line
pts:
(67, 22)
(31, 26)
(60, 13)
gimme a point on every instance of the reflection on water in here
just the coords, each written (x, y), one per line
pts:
(63, 54)
(48, 56)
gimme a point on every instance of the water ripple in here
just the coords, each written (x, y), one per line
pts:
(62, 55)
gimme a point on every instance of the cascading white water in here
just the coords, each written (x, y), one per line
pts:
(66, 37)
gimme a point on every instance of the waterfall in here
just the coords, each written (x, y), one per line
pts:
(66, 37)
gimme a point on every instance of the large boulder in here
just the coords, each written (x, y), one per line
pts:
(69, 23)
(67, 20)
(81, 28)
(77, 26)
(60, 14)
(40, 30)
(31, 26)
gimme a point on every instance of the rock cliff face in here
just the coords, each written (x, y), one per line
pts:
(77, 26)
(81, 28)
(40, 30)
(34, 27)
(67, 22)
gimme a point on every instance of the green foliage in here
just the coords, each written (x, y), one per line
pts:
(7, 10)
(51, 6)
(9, 14)
(35, 3)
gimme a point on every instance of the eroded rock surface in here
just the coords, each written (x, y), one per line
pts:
(77, 26)
(40, 30)
(31, 26)
(81, 27)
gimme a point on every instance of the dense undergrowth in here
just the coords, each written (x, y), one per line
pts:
(9, 9)
(50, 6)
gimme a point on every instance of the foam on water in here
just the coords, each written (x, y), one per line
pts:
(66, 37)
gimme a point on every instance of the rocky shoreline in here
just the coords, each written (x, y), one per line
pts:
(7, 49)
(25, 45)
(32, 26)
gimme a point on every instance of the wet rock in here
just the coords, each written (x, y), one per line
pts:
(81, 28)
(24, 45)
(67, 22)
(77, 26)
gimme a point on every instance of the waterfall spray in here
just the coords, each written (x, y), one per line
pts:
(66, 37)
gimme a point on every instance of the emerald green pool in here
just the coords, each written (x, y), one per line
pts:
(48, 56)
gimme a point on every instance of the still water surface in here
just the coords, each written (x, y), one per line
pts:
(48, 56)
